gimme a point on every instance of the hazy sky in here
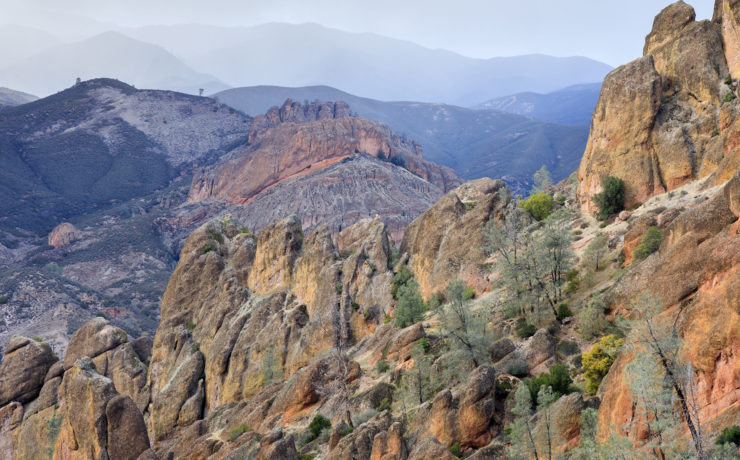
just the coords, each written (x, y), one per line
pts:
(608, 30)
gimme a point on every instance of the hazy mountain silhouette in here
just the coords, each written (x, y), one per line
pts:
(362, 63)
(570, 106)
(111, 55)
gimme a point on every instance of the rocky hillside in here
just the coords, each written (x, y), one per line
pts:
(475, 143)
(102, 196)
(671, 116)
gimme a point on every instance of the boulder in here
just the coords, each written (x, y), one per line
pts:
(23, 369)
(94, 338)
(127, 434)
(390, 445)
(63, 234)
(277, 446)
(430, 448)
(359, 443)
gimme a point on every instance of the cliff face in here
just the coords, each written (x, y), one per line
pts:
(296, 140)
(701, 248)
(445, 243)
(671, 116)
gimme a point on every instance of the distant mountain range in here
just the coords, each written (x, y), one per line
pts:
(570, 106)
(188, 57)
(111, 55)
(9, 97)
(475, 143)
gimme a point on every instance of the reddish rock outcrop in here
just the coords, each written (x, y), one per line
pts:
(63, 234)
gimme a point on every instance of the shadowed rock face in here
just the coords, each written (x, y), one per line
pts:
(666, 118)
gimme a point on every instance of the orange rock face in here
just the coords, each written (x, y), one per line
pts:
(63, 234)
(669, 117)
(696, 273)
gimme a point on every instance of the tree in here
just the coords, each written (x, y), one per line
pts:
(542, 180)
(545, 399)
(595, 250)
(597, 361)
(415, 384)
(538, 205)
(521, 433)
(661, 377)
(465, 329)
(532, 262)
(591, 319)
(410, 306)
(557, 378)
(611, 200)
(200, 92)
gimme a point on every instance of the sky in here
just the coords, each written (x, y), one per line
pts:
(611, 31)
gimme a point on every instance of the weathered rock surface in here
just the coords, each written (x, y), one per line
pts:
(467, 417)
(668, 117)
(445, 243)
(23, 370)
(700, 249)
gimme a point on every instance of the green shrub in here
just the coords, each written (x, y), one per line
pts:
(382, 366)
(560, 199)
(399, 279)
(524, 329)
(567, 348)
(3, 299)
(238, 431)
(208, 247)
(468, 293)
(339, 288)
(386, 319)
(730, 434)
(355, 306)
(597, 361)
(424, 343)
(345, 431)
(410, 306)
(649, 243)
(456, 450)
(611, 200)
(318, 424)
(385, 404)
(729, 97)
(558, 378)
(538, 205)
(564, 311)
(190, 326)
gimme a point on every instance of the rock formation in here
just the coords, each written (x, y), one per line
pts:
(445, 243)
(669, 117)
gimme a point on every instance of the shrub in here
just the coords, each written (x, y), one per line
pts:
(517, 367)
(730, 434)
(649, 243)
(557, 378)
(318, 424)
(238, 431)
(386, 319)
(424, 343)
(729, 97)
(611, 200)
(382, 366)
(567, 348)
(524, 329)
(560, 199)
(591, 320)
(355, 306)
(456, 450)
(597, 361)
(208, 247)
(339, 288)
(538, 205)
(385, 404)
(564, 311)
(190, 326)
(3, 299)
(399, 279)
(410, 306)
(468, 293)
